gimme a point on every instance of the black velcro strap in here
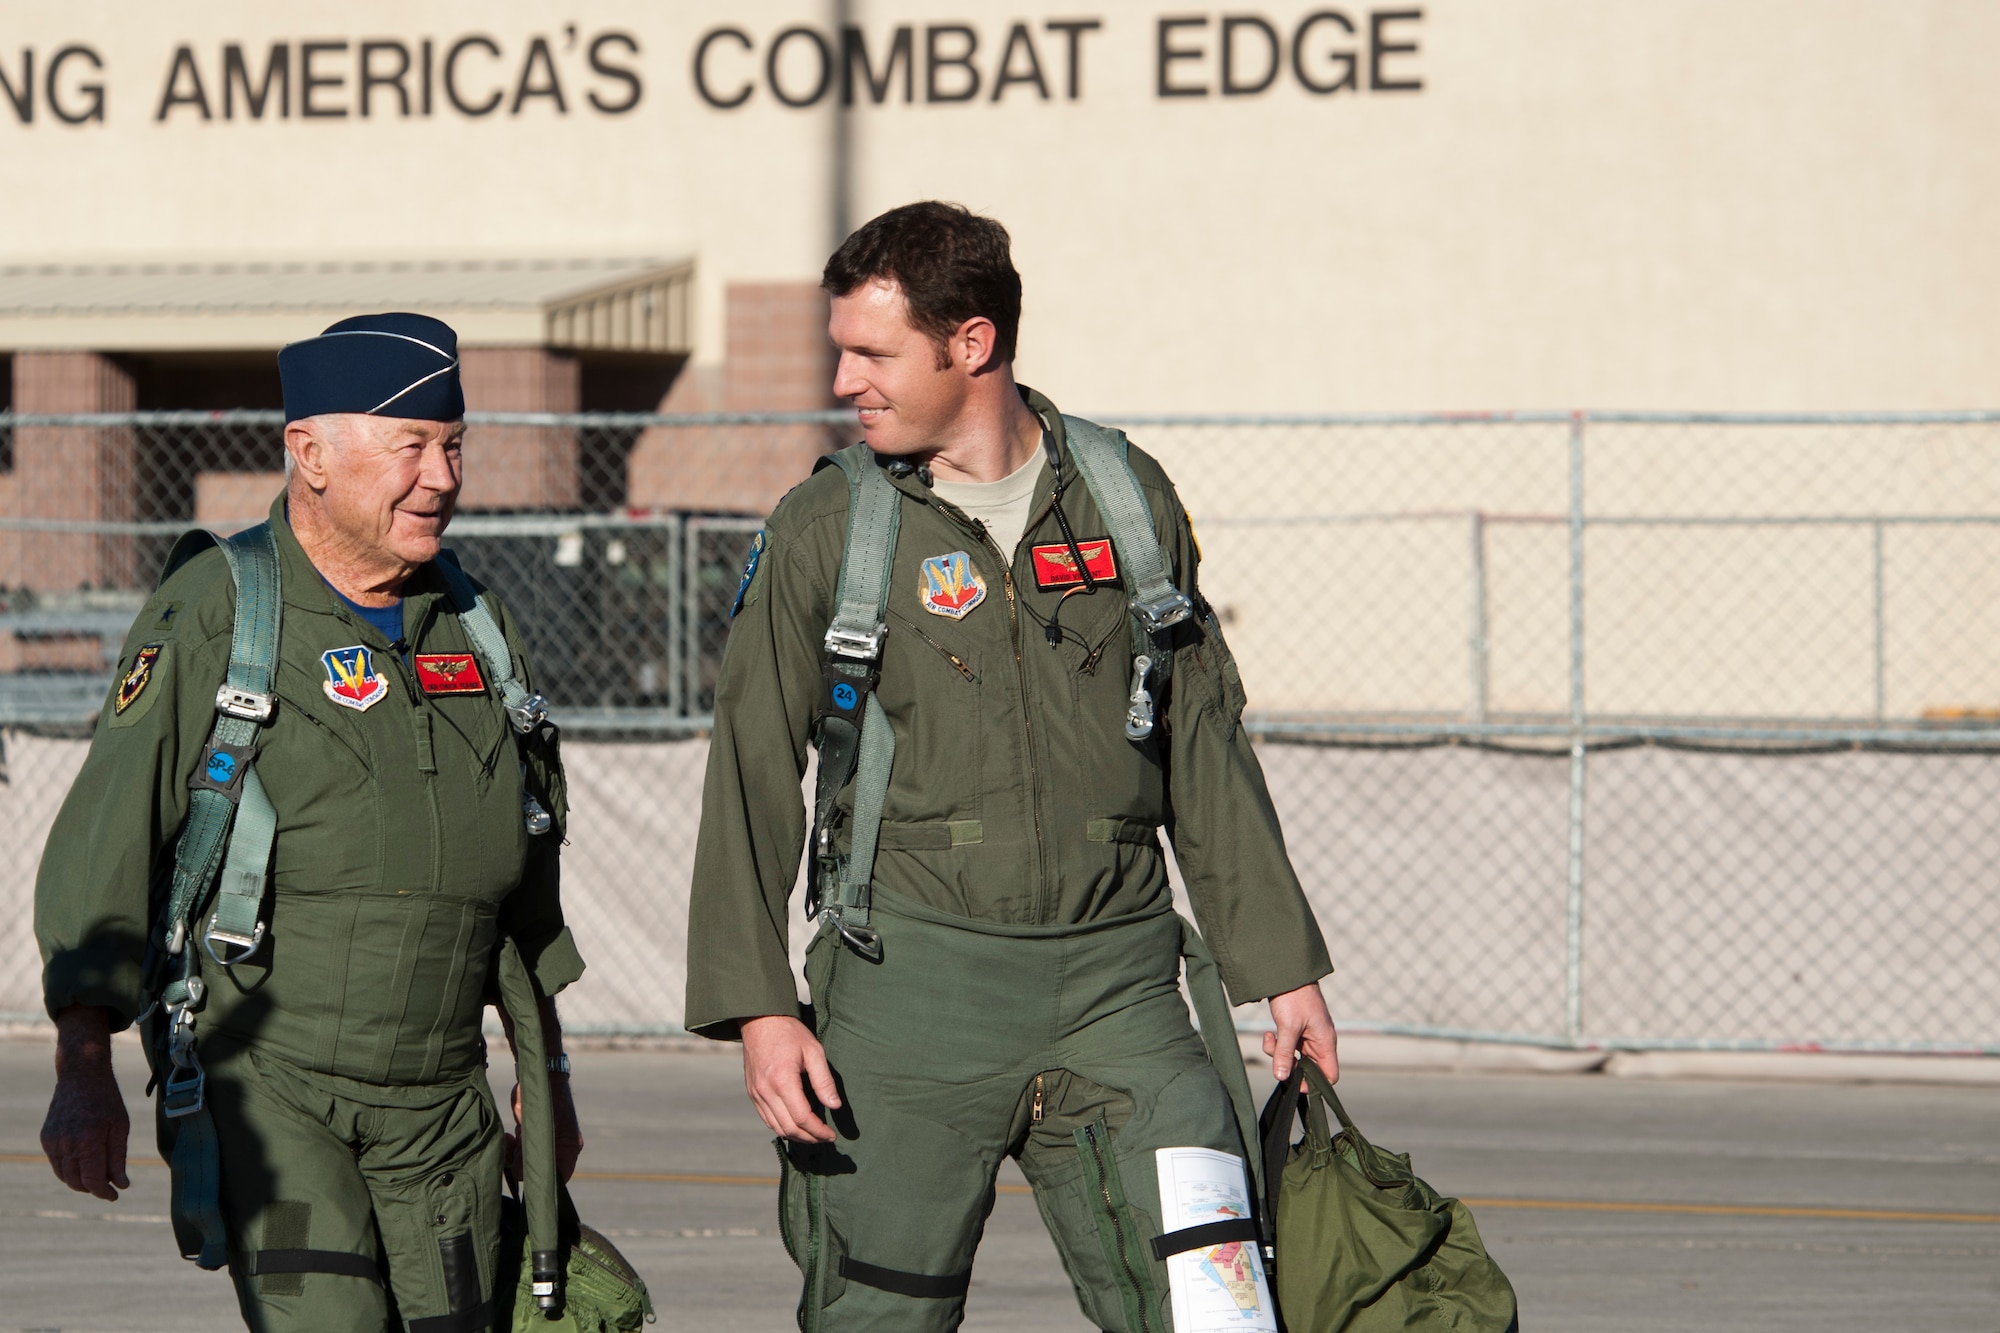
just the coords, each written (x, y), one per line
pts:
(897, 1281)
(1201, 1237)
(318, 1261)
(476, 1320)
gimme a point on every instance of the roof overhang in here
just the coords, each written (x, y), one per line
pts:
(635, 305)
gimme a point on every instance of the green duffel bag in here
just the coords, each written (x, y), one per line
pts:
(600, 1292)
(1362, 1245)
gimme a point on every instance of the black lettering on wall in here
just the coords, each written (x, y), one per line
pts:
(708, 95)
(550, 86)
(1005, 77)
(774, 57)
(236, 74)
(429, 53)
(174, 95)
(22, 97)
(1170, 54)
(1073, 31)
(617, 73)
(1343, 59)
(1380, 47)
(854, 51)
(935, 60)
(451, 92)
(372, 78)
(310, 81)
(1273, 56)
(94, 90)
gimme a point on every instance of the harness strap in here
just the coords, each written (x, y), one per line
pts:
(923, 1285)
(855, 740)
(524, 710)
(230, 826)
(317, 1261)
(1101, 457)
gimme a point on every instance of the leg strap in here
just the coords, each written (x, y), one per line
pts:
(1201, 1237)
(925, 1285)
(318, 1261)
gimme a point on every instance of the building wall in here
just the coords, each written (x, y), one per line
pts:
(1693, 203)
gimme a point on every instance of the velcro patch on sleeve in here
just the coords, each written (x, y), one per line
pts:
(449, 673)
(1055, 566)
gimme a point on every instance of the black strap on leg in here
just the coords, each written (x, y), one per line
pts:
(1203, 1236)
(475, 1320)
(317, 1261)
(925, 1285)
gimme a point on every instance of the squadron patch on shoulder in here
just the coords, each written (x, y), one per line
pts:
(750, 564)
(952, 585)
(350, 680)
(1055, 567)
(448, 673)
(138, 678)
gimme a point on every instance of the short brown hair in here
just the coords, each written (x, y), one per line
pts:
(951, 263)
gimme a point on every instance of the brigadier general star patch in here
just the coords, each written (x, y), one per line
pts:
(138, 678)
(449, 673)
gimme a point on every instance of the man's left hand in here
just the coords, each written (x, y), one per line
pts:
(1303, 1025)
(569, 1134)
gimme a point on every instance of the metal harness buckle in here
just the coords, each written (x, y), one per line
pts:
(1139, 715)
(530, 713)
(249, 944)
(246, 704)
(1163, 612)
(863, 645)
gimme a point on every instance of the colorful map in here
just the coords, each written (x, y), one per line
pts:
(1217, 1288)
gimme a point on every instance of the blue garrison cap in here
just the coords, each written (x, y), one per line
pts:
(393, 365)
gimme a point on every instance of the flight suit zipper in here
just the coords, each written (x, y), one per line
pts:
(1117, 1226)
(964, 669)
(1036, 1114)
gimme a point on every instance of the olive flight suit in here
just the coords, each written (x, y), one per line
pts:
(1026, 1002)
(360, 1147)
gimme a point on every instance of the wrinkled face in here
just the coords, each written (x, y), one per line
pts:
(391, 484)
(889, 369)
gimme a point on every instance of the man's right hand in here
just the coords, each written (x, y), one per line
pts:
(87, 1126)
(780, 1056)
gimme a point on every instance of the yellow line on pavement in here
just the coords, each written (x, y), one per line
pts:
(1546, 1205)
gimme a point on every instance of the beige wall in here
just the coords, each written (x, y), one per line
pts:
(1687, 203)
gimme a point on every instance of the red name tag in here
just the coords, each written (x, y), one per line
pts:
(449, 673)
(1055, 567)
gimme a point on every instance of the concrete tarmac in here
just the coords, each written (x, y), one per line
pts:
(1612, 1204)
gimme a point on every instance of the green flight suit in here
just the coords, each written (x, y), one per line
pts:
(346, 1068)
(1030, 955)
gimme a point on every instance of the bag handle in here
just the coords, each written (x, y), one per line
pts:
(1288, 1100)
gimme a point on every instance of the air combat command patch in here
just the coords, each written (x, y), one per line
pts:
(350, 680)
(138, 678)
(952, 586)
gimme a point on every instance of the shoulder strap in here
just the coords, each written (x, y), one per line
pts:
(230, 821)
(1101, 457)
(855, 739)
(489, 644)
(874, 520)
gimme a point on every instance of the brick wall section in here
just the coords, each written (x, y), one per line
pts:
(520, 467)
(70, 472)
(776, 360)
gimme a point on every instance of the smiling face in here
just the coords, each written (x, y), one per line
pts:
(907, 401)
(381, 490)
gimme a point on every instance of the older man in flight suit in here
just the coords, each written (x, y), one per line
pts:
(1005, 982)
(338, 1086)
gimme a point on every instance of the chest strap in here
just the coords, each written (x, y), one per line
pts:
(1100, 456)
(853, 735)
(527, 713)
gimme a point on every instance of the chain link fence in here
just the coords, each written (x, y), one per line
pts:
(1608, 729)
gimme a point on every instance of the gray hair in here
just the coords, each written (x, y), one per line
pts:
(333, 427)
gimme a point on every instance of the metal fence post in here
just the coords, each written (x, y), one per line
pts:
(1476, 615)
(1881, 632)
(1573, 972)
